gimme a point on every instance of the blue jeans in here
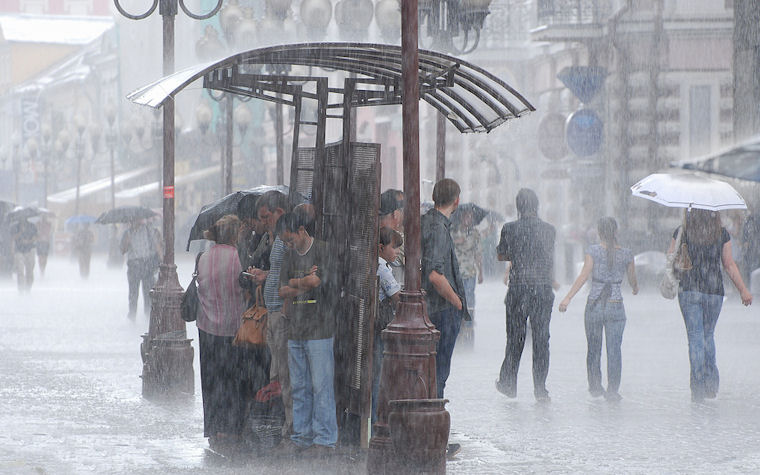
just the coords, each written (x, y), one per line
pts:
(700, 314)
(311, 364)
(610, 319)
(447, 322)
(469, 293)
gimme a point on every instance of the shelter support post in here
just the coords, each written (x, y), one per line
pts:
(440, 147)
(408, 370)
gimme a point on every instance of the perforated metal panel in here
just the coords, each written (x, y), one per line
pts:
(363, 193)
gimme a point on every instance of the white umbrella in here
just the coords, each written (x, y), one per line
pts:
(687, 190)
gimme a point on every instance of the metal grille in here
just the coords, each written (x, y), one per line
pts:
(305, 171)
(363, 192)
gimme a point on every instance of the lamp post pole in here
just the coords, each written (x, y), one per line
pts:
(166, 351)
(47, 142)
(408, 371)
(79, 121)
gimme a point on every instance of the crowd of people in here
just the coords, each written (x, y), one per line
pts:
(271, 246)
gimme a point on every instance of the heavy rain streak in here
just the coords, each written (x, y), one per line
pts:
(379, 236)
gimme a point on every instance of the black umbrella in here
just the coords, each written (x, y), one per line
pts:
(212, 212)
(125, 214)
(26, 212)
(477, 212)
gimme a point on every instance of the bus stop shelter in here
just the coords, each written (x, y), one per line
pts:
(327, 81)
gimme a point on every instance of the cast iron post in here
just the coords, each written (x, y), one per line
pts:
(166, 351)
(410, 339)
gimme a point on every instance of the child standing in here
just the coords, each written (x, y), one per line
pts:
(389, 246)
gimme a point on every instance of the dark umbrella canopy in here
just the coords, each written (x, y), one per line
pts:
(212, 212)
(477, 212)
(125, 214)
(26, 212)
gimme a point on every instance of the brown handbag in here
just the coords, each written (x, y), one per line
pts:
(253, 328)
(682, 262)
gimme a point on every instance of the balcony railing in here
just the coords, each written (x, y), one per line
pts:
(568, 12)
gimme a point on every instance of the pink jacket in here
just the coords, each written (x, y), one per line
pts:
(219, 292)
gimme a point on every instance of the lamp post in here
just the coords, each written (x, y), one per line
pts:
(166, 351)
(15, 145)
(47, 144)
(115, 259)
(80, 126)
(32, 149)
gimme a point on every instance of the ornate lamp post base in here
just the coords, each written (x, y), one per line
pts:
(408, 373)
(166, 352)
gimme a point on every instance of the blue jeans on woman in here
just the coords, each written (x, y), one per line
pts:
(700, 314)
(609, 318)
(311, 364)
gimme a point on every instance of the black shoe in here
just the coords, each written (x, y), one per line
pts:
(452, 450)
(506, 389)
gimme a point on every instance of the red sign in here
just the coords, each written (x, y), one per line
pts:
(169, 192)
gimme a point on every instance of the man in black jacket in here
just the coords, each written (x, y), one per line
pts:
(528, 244)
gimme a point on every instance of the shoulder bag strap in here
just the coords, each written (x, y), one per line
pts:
(197, 258)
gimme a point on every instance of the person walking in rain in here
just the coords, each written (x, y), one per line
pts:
(606, 264)
(24, 236)
(528, 244)
(82, 248)
(467, 246)
(700, 294)
(142, 244)
(44, 236)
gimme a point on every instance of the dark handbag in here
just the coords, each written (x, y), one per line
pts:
(385, 312)
(190, 304)
(253, 328)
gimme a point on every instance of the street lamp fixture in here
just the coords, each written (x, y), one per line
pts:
(453, 25)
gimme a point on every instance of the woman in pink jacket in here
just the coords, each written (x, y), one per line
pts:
(223, 303)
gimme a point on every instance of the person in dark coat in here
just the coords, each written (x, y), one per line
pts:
(528, 244)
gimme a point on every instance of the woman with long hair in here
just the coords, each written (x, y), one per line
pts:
(606, 263)
(223, 303)
(700, 294)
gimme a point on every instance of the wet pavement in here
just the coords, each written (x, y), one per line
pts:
(70, 393)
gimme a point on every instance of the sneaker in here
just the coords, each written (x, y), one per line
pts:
(317, 452)
(506, 389)
(452, 450)
(612, 396)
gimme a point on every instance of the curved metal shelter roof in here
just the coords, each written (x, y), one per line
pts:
(473, 99)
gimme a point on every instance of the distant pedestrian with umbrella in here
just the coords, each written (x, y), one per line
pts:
(24, 235)
(707, 244)
(141, 243)
(606, 263)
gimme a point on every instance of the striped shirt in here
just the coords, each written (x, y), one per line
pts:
(220, 294)
(272, 297)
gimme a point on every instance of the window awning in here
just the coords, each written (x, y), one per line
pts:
(470, 97)
(68, 196)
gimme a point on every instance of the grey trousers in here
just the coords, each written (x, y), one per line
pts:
(277, 341)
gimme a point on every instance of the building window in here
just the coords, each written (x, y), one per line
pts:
(700, 122)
